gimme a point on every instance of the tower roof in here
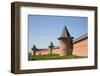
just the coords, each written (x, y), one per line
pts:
(65, 33)
(34, 47)
(51, 44)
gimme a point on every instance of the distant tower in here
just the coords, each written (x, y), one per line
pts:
(66, 45)
(34, 49)
(51, 47)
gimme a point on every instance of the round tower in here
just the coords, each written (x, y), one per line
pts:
(34, 49)
(51, 48)
(66, 45)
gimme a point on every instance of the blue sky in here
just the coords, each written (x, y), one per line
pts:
(44, 29)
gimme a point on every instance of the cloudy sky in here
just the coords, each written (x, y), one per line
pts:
(44, 29)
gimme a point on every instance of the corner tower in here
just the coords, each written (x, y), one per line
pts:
(66, 45)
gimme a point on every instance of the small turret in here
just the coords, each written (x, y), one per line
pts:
(34, 49)
(51, 47)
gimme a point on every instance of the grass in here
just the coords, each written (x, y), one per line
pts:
(52, 57)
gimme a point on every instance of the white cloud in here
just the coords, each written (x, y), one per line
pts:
(42, 37)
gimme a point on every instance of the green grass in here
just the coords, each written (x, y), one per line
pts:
(51, 57)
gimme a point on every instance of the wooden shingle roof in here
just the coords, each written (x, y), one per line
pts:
(80, 38)
(65, 33)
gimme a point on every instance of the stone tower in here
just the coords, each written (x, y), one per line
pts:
(51, 48)
(66, 45)
(34, 49)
